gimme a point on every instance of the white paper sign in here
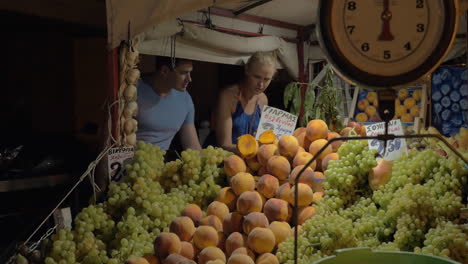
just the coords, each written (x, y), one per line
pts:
(394, 147)
(281, 122)
(116, 160)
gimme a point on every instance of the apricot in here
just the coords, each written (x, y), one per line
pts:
(304, 214)
(302, 158)
(177, 259)
(305, 193)
(265, 152)
(235, 241)
(247, 146)
(283, 192)
(307, 176)
(212, 221)
(281, 230)
(217, 209)
(232, 223)
(261, 240)
(205, 236)
(166, 243)
(279, 167)
(267, 185)
(249, 201)
(233, 165)
(276, 210)
(267, 258)
(240, 259)
(228, 197)
(317, 184)
(210, 253)
(187, 250)
(316, 129)
(253, 220)
(288, 146)
(242, 182)
(183, 227)
(253, 163)
(335, 144)
(193, 211)
(267, 137)
(319, 144)
(152, 259)
(331, 156)
(244, 251)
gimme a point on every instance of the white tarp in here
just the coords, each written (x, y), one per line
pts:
(204, 44)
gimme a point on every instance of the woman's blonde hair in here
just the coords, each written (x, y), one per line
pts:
(262, 57)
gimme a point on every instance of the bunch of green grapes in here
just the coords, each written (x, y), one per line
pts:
(192, 165)
(118, 196)
(172, 174)
(148, 162)
(146, 192)
(94, 219)
(63, 248)
(90, 249)
(446, 240)
(213, 159)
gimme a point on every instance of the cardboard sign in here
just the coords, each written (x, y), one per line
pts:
(281, 122)
(394, 147)
(116, 160)
(63, 218)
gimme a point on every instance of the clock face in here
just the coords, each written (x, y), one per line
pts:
(386, 42)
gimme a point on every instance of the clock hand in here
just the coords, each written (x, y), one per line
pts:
(386, 16)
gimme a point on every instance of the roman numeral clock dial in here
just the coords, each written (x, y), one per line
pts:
(383, 43)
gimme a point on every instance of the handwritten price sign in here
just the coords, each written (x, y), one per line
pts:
(116, 160)
(394, 147)
(281, 122)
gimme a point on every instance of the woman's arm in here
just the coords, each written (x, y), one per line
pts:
(223, 119)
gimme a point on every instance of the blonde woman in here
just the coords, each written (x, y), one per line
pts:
(240, 105)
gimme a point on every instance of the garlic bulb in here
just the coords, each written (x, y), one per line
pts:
(130, 126)
(132, 76)
(130, 93)
(130, 110)
(130, 140)
(132, 56)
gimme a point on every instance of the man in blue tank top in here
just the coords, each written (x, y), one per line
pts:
(165, 106)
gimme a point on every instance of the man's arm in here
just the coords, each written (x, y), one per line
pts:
(189, 138)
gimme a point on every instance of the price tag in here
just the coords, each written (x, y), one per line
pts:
(394, 147)
(281, 122)
(116, 160)
(63, 218)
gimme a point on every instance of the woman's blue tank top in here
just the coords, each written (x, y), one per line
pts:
(242, 123)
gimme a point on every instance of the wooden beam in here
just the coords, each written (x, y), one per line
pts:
(83, 12)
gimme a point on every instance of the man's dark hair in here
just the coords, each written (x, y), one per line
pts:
(161, 61)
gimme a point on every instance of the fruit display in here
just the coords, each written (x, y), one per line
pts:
(449, 99)
(139, 208)
(367, 105)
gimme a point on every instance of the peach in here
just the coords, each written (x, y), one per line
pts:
(281, 230)
(345, 131)
(335, 144)
(307, 176)
(304, 214)
(244, 251)
(267, 137)
(253, 163)
(187, 250)
(227, 196)
(136, 260)
(318, 144)
(177, 259)
(166, 244)
(262, 171)
(362, 104)
(233, 165)
(152, 259)
(247, 146)
(276, 209)
(302, 158)
(210, 253)
(303, 141)
(317, 184)
(380, 174)
(242, 182)
(205, 236)
(222, 240)
(261, 240)
(283, 192)
(212, 221)
(235, 241)
(264, 199)
(217, 209)
(316, 129)
(216, 261)
(279, 167)
(301, 149)
(249, 201)
(265, 152)
(318, 196)
(232, 223)
(305, 193)
(183, 227)
(290, 213)
(267, 185)
(240, 259)
(288, 146)
(194, 212)
(299, 131)
(331, 156)
(267, 258)
(253, 220)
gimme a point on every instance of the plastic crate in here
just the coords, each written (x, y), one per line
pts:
(368, 256)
